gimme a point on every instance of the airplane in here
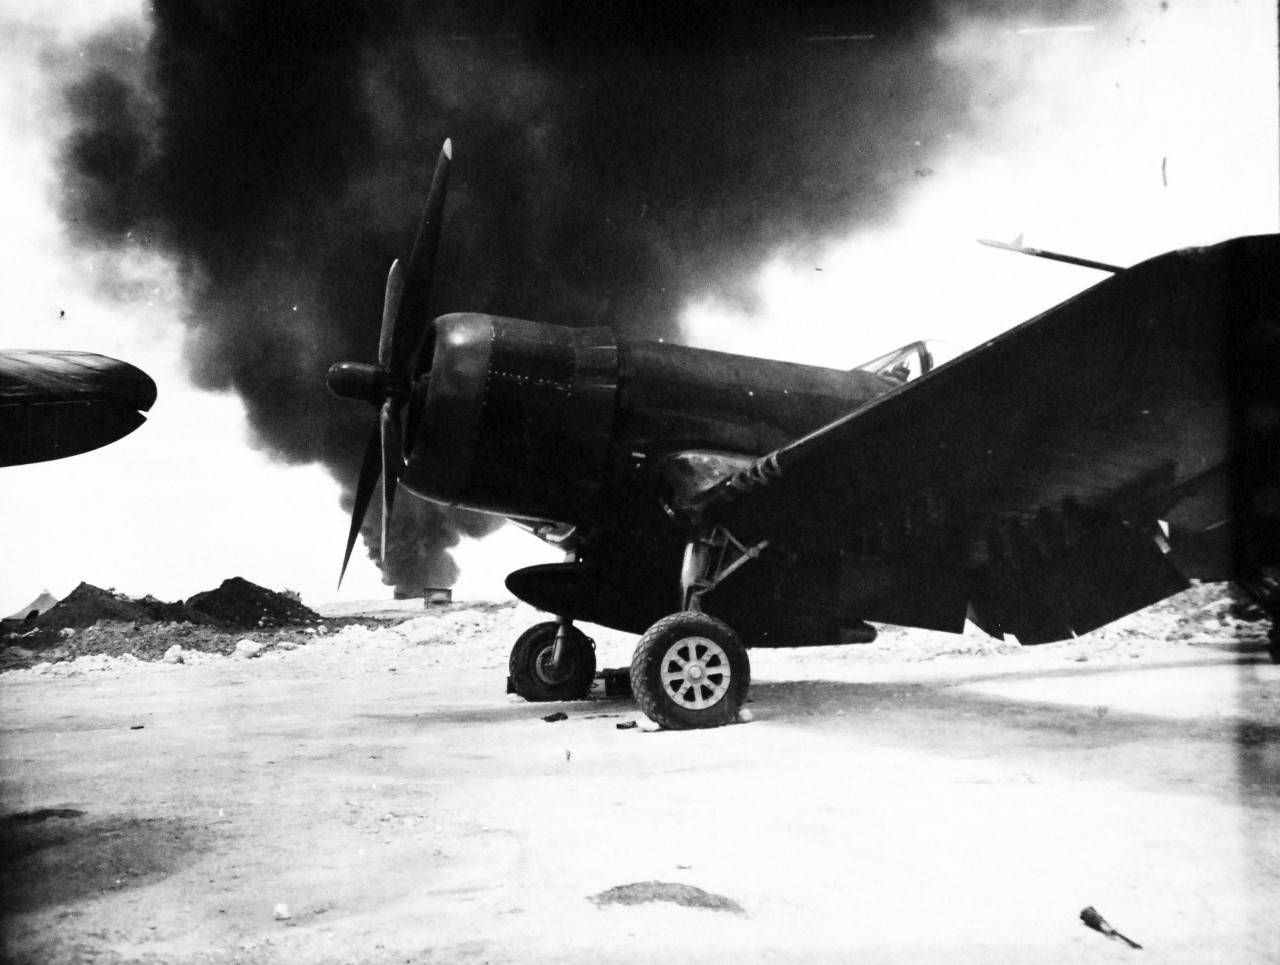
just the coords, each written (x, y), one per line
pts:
(1050, 481)
(55, 404)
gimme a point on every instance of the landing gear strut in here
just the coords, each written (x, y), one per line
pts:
(691, 670)
(552, 661)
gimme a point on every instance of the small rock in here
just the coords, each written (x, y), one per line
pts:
(625, 724)
(648, 726)
(67, 632)
(745, 716)
(556, 717)
(173, 654)
(282, 912)
(248, 648)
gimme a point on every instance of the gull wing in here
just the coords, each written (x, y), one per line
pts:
(1023, 483)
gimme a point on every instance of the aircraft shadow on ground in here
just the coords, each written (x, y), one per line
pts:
(954, 716)
(55, 857)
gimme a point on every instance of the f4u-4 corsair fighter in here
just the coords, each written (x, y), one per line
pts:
(1072, 470)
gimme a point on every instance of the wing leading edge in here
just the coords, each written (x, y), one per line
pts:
(55, 404)
(1022, 484)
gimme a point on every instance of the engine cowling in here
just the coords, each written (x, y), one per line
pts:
(514, 418)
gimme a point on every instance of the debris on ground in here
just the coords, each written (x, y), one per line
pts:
(745, 716)
(282, 912)
(689, 896)
(248, 648)
(625, 725)
(556, 717)
(1095, 921)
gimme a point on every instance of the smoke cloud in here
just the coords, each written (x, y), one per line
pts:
(612, 162)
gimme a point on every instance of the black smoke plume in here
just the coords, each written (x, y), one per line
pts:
(612, 160)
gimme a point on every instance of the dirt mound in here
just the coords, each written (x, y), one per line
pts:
(179, 612)
(237, 605)
(86, 605)
(247, 606)
(643, 892)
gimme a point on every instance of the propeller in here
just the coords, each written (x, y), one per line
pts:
(405, 348)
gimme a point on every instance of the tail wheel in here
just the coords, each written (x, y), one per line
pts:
(689, 671)
(533, 675)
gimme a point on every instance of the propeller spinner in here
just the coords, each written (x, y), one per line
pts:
(406, 333)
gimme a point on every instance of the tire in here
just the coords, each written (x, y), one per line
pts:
(663, 685)
(1273, 644)
(530, 676)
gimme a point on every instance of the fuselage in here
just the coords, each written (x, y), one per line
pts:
(592, 440)
(546, 423)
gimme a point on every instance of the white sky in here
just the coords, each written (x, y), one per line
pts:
(185, 501)
(1075, 163)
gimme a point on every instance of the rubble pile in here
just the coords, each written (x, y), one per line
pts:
(145, 641)
(1206, 611)
(87, 604)
(94, 621)
(243, 605)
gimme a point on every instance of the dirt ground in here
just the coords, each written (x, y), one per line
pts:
(371, 795)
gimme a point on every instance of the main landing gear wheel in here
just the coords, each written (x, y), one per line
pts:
(534, 677)
(690, 670)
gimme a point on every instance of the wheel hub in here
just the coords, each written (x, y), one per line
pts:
(548, 672)
(695, 673)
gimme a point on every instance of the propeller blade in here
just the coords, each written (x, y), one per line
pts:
(415, 302)
(390, 307)
(369, 471)
(389, 424)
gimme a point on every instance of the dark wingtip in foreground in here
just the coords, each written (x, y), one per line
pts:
(55, 404)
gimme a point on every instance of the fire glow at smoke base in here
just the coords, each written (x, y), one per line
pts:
(612, 162)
